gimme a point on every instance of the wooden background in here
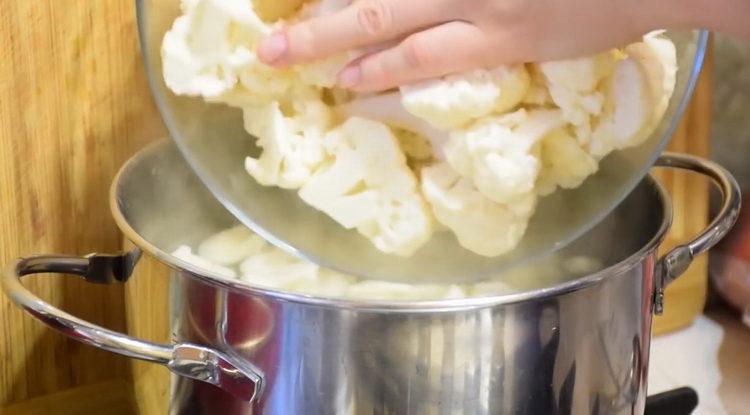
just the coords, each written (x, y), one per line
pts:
(74, 105)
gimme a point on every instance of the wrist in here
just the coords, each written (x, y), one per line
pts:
(727, 16)
(678, 14)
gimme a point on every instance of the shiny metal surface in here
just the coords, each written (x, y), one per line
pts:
(584, 352)
(561, 218)
(237, 377)
(573, 345)
(677, 261)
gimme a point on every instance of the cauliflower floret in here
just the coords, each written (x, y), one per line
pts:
(273, 268)
(210, 52)
(481, 225)
(500, 154)
(207, 48)
(564, 163)
(574, 86)
(185, 253)
(627, 111)
(657, 56)
(269, 267)
(491, 164)
(368, 186)
(455, 100)
(231, 246)
(292, 147)
(388, 109)
(638, 95)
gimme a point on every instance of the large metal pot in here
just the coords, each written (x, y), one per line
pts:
(578, 346)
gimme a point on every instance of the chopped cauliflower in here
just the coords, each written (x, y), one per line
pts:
(210, 46)
(455, 100)
(210, 52)
(368, 186)
(500, 154)
(474, 149)
(292, 150)
(231, 246)
(638, 95)
(185, 253)
(564, 163)
(626, 113)
(480, 225)
(574, 86)
(273, 268)
(388, 109)
(270, 268)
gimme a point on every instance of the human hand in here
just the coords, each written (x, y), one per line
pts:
(411, 40)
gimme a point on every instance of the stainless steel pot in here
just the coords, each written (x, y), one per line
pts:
(578, 346)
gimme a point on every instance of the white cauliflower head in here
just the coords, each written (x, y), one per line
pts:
(273, 268)
(388, 109)
(498, 138)
(210, 52)
(575, 87)
(638, 93)
(231, 246)
(292, 146)
(500, 154)
(480, 225)
(208, 48)
(185, 253)
(564, 163)
(368, 186)
(455, 100)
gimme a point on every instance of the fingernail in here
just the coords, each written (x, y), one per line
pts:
(350, 77)
(273, 48)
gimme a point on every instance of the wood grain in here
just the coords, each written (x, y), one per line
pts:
(74, 106)
(686, 297)
(147, 310)
(112, 397)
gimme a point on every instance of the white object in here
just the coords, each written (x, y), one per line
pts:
(689, 357)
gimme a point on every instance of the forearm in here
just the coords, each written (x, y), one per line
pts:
(729, 16)
(726, 16)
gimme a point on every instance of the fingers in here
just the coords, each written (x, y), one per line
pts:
(363, 23)
(448, 48)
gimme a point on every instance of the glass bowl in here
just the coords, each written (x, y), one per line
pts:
(213, 141)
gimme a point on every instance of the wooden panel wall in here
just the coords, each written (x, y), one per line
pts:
(147, 310)
(685, 298)
(74, 105)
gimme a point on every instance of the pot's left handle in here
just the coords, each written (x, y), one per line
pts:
(235, 376)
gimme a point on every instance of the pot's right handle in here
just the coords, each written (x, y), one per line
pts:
(235, 376)
(676, 261)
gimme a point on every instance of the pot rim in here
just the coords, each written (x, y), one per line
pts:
(412, 306)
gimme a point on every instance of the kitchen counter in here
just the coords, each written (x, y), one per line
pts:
(712, 356)
(734, 361)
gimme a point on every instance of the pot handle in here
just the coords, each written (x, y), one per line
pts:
(234, 376)
(676, 261)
